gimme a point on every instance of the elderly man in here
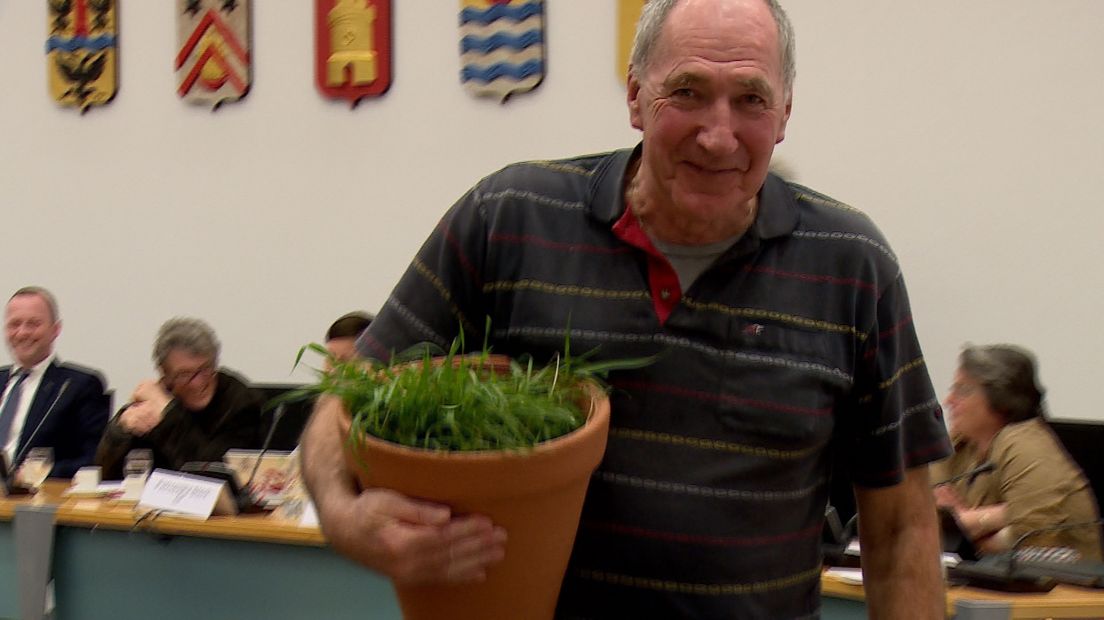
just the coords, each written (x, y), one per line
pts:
(782, 330)
(47, 403)
(195, 412)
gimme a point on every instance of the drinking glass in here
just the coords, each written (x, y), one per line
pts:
(36, 467)
(139, 463)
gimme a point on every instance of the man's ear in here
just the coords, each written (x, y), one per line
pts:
(785, 119)
(633, 99)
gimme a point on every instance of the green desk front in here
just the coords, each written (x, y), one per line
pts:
(9, 603)
(116, 575)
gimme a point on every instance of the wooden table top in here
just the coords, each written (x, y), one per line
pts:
(115, 515)
(1061, 602)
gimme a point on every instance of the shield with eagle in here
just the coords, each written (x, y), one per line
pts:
(501, 46)
(81, 52)
(213, 59)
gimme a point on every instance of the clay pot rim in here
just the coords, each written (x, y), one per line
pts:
(594, 416)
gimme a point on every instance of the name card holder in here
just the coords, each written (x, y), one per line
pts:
(185, 494)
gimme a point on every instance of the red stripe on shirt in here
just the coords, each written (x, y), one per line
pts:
(675, 390)
(555, 245)
(812, 277)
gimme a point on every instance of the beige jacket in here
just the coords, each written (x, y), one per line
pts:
(1036, 479)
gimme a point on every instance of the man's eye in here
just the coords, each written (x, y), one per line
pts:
(683, 93)
(753, 100)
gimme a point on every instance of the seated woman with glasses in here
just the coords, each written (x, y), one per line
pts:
(195, 412)
(1009, 474)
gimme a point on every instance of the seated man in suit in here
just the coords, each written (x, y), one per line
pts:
(47, 403)
(194, 412)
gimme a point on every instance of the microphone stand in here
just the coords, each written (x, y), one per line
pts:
(276, 415)
(994, 574)
(971, 475)
(1063, 572)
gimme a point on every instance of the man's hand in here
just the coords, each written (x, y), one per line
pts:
(413, 541)
(151, 392)
(140, 418)
(150, 401)
(408, 540)
(947, 499)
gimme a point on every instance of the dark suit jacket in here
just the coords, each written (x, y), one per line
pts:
(76, 423)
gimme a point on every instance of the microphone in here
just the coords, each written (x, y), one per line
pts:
(990, 577)
(970, 475)
(1055, 568)
(244, 498)
(27, 444)
(276, 415)
(1005, 574)
(838, 553)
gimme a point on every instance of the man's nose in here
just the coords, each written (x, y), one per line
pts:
(718, 132)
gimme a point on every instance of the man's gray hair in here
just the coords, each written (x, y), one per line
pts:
(1007, 374)
(654, 15)
(47, 296)
(185, 334)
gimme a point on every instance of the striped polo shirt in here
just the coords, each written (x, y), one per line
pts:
(797, 344)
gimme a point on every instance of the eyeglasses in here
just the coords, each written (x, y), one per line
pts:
(962, 390)
(184, 377)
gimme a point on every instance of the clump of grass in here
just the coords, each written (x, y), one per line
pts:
(462, 402)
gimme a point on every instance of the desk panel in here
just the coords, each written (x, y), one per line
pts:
(9, 602)
(965, 603)
(116, 575)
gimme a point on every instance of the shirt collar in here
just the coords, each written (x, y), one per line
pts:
(38, 369)
(777, 213)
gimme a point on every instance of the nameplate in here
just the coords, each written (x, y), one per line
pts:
(184, 494)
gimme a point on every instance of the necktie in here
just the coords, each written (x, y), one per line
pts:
(7, 412)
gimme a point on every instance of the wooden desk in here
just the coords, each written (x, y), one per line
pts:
(1062, 602)
(109, 564)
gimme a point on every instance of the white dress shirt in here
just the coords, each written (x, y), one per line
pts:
(30, 388)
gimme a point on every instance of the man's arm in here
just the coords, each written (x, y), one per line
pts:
(110, 453)
(87, 422)
(899, 533)
(408, 540)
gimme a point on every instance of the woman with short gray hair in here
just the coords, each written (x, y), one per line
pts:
(996, 416)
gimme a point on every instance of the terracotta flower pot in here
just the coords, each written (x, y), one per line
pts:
(536, 495)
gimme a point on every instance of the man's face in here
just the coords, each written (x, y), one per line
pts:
(343, 348)
(712, 106)
(31, 329)
(191, 378)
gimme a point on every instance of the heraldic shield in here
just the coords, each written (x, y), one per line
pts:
(352, 40)
(501, 46)
(628, 13)
(81, 52)
(213, 59)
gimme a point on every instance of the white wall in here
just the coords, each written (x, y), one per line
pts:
(970, 131)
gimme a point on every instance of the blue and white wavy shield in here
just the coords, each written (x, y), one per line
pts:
(501, 46)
